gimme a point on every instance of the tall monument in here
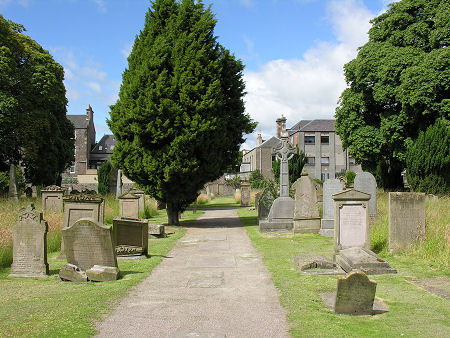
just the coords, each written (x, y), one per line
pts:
(281, 213)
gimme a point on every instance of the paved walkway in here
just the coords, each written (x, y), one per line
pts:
(212, 284)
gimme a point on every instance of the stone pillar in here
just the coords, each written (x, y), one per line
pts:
(52, 198)
(119, 183)
(245, 194)
(13, 193)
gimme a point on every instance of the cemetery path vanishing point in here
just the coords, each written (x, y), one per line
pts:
(212, 284)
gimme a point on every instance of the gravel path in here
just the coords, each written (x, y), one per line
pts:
(212, 284)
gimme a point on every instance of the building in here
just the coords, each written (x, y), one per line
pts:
(325, 157)
(259, 158)
(102, 151)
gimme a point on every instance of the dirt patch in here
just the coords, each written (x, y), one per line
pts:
(440, 286)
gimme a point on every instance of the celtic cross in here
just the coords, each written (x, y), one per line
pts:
(284, 151)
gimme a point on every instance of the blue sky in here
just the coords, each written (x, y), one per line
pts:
(294, 50)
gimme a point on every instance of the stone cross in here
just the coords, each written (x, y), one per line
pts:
(284, 151)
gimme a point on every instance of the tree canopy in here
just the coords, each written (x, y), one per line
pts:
(34, 129)
(398, 85)
(179, 119)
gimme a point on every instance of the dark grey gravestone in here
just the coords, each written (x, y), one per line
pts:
(89, 243)
(29, 245)
(264, 203)
(330, 187)
(365, 182)
(130, 232)
(355, 294)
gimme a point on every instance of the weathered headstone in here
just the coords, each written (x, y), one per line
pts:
(281, 215)
(130, 236)
(306, 212)
(13, 193)
(119, 183)
(245, 194)
(52, 198)
(355, 294)
(156, 230)
(89, 243)
(406, 219)
(351, 220)
(139, 193)
(29, 244)
(72, 273)
(100, 273)
(365, 182)
(129, 205)
(330, 187)
(264, 204)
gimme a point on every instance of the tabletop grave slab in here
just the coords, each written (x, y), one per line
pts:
(406, 219)
(306, 212)
(130, 236)
(52, 198)
(330, 187)
(365, 182)
(129, 205)
(29, 245)
(89, 243)
(245, 194)
(139, 193)
(363, 259)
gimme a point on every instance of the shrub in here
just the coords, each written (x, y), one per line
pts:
(104, 176)
(256, 180)
(202, 199)
(350, 177)
(428, 159)
(235, 182)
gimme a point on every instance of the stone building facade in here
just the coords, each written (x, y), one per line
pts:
(259, 158)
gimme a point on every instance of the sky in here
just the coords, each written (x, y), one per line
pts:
(293, 50)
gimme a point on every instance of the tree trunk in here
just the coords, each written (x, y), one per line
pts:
(13, 194)
(172, 214)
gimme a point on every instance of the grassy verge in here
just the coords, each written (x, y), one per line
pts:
(413, 311)
(52, 308)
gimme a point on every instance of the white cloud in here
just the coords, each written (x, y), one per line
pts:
(23, 3)
(95, 86)
(101, 6)
(308, 87)
(126, 50)
(247, 3)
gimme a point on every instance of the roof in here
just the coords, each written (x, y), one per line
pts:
(314, 125)
(270, 143)
(105, 145)
(78, 121)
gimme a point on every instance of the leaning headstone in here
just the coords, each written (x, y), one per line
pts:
(264, 203)
(245, 194)
(365, 182)
(29, 244)
(89, 243)
(306, 212)
(139, 193)
(130, 236)
(52, 198)
(355, 294)
(281, 215)
(406, 219)
(129, 205)
(330, 187)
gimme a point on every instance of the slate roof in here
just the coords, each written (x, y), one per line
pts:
(107, 143)
(79, 121)
(314, 125)
(270, 143)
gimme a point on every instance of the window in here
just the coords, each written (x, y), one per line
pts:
(310, 139)
(324, 139)
(100, 147)
(310, 160)
(72, 169)
(351, 160)
(325, 160)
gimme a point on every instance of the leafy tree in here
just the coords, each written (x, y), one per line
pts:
(428, 160)
(398, 85)
(235, 182)
(34, 129)
(296, 164)
(104, 176)
(350, 177)
(179, 119)
(256, 180)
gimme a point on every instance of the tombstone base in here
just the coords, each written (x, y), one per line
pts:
(364, 260)
(326, 227)
(28, 275)
(306, 225)
(100, 273)
(275, 225)
(156, 230)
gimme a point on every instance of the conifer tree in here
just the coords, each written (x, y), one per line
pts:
(180, 118)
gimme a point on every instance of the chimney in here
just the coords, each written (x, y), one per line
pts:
(259, 140)
(281, 125)
(89, 113)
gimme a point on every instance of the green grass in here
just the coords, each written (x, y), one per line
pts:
(413, 311)
(222, 201)
(52, 308)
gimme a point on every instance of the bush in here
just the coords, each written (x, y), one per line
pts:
(428, 160)
(350, 177)
(235, 182)
(104, 176)
(256, 180)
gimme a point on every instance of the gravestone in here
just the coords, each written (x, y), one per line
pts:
(257, 197)
(119, 183)
(245, 194)
(156, 230)
(281, 215)
(139, 193)
(72, 273)
(365, 182)
(306, 212)
(355, 294)
(130, 236)
(265, 202)
(406, 219)
(330, 187)
(129, 205)
(29, 244)
(52, 198)
(81, 205)
(100, 273)
(89, 243)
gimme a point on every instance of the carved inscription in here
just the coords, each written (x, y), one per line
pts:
(352, 225)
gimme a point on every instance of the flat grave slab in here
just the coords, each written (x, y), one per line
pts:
(363, 259)
(440, 286)
(212, 262)
(206, 280)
